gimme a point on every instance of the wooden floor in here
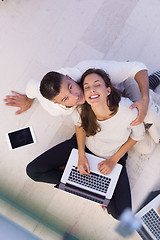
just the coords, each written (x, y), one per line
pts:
(39, 36)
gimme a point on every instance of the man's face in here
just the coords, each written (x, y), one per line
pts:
(70, 94)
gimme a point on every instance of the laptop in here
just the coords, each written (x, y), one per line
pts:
(150, 220)
(97, 187)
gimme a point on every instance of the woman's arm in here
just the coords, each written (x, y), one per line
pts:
(81, 136)
(107, 165)
(83, 165)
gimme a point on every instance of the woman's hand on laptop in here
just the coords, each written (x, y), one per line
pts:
(106, 166)
(83, 165)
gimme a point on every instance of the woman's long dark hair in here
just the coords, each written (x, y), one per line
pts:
(88, 118)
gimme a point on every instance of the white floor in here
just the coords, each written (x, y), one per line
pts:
(35, 37)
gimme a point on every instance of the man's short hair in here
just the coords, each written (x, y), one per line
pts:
(51, 84)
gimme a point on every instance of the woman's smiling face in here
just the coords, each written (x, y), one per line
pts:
(95, 90)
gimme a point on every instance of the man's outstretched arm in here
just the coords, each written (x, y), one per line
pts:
(18, 100)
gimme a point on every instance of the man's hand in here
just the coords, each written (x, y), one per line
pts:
(159, 209)
(141, 78)
(106, 166)
(18, 100)
(83, 165)
(142, 106)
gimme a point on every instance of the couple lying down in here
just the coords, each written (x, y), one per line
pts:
(103, 128)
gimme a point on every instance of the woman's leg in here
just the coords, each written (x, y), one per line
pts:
(122, 196)
(45, 168)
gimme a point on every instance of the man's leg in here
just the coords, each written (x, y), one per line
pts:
(153, 114)
(131, 89)
(154, 80)
(45, 168)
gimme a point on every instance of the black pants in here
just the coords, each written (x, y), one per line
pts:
(46, 168)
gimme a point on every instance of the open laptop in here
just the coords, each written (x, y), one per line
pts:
(96, 187)
(150, 220)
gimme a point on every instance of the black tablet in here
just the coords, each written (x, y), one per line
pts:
(21, 137)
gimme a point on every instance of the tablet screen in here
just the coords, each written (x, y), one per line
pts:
(20, 137)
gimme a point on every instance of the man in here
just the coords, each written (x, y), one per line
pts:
(124, 75)
(59, 93)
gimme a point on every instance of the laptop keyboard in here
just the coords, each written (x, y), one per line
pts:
(152, 221)
(94, 181)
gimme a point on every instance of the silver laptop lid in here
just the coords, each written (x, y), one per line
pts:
(150, 218)
(93, 162)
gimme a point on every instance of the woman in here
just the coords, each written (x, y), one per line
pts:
(48, 167)
(103, 125)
